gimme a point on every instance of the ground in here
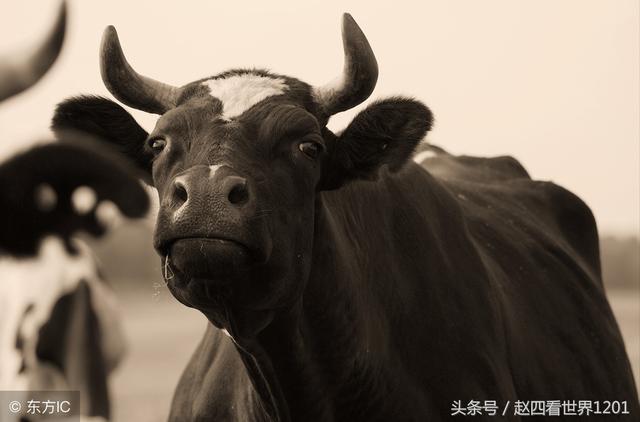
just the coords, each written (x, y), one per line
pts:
(162, 335)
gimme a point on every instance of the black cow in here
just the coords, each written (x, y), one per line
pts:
(343, 281)
(59, 329)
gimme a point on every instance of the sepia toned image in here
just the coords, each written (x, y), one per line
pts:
(320, 211)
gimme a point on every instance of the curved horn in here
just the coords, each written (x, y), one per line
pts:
(359, 74)
(18, 74)
(129, 86)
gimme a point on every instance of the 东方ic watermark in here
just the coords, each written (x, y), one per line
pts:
(15, 405)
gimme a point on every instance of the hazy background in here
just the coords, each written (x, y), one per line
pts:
(554, 83)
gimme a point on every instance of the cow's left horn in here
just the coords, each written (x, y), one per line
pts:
(127, 85)
(18, 74)
(359, 74)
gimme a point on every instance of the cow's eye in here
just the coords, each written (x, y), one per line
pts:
(157, 144)
(310, 149)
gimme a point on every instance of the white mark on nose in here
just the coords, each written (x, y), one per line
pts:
(213, 169)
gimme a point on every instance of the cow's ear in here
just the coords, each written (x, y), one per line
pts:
(107, 121)
(384, 133)
(40, 195)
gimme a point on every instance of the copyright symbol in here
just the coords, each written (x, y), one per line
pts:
(15, 406)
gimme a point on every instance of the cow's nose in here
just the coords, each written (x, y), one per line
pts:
(180, 192)
(200, 189)
(232, 189)
(235, 189)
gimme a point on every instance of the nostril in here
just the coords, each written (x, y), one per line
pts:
(180, 192)
(239, 194)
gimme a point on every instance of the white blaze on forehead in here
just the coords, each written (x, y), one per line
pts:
(238, 93)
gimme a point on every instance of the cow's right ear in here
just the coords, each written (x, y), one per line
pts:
(383, 134)
(107, 121)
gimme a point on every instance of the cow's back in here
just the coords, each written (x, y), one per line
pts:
(500, 186)
(539, 242)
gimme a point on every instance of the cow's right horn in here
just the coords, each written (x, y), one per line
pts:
(19, 73)
(129, 86)
(359, 74)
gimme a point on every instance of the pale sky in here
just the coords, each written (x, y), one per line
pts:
(555, 83)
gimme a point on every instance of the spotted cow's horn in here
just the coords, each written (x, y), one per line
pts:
(129, 86)
(19, 73)
(359, 74)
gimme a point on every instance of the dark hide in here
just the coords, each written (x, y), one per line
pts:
(418, 297)
(71, 341)
(20, 340)
(386, 290)
(106, 120)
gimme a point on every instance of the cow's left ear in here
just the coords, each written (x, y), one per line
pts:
(385, 133)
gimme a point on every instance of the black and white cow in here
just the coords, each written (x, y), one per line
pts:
(59, 325)
(342, 280)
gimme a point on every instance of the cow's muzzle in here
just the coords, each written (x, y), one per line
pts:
(214, 259)
(204, 191)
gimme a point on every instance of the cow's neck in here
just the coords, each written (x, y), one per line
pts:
(333, 353)
(285, 372)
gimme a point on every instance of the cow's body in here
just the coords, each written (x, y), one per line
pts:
(463, 280)
(344, 282)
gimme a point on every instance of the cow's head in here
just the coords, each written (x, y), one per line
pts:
(239, 161)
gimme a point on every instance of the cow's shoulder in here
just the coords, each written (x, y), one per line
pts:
(574, 220)
(442, 164)
(561, 215)
(522, 210)
(215, 384)
(498, 193)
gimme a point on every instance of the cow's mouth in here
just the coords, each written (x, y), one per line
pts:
(207, 258)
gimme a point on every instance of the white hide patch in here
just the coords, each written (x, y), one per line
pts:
(40, 281)
(83, 199)
(424, 155)
(108, 215)
(238, 93)
(213, 169)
